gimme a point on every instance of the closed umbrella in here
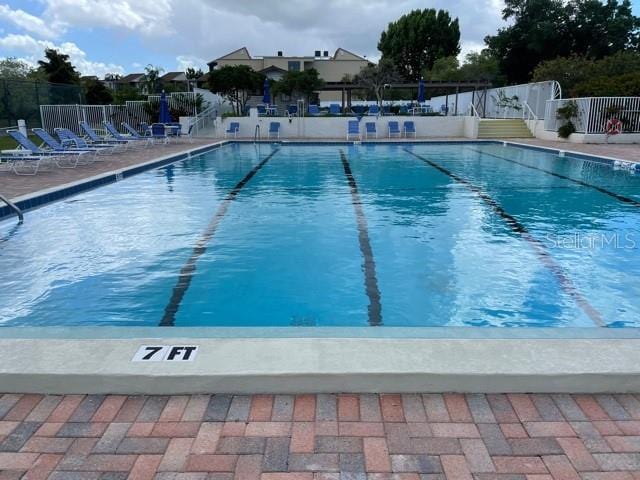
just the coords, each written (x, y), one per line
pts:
(165, 115)
(266, 95)
(421, 91)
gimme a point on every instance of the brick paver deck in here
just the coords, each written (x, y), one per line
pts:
(320, 437)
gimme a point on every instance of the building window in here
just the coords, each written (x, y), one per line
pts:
(294, 66)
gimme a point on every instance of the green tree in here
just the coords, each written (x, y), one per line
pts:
(416, 40)
(299, 84)
(56, 68)
(13, 69)
(151, 81)
(236, 83)
(192, 73)
(375, 77)
(481, 66)
(96, 93)
(126, 93)
(568, 71)
(445, 68)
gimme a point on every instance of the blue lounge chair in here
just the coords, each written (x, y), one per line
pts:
(386, 110)
(56, 146)
(95, 138)
(314, 110)
(353, 129)
(133, 141)
(35, 151)
(334, 109)
(403, 110)
(262, 110)
(292, 110)
(374, 110)
(409, 129)
(67, 137)
(17, 161)
(274, 130)
(234, 129)
(370, 130)
(394, 129)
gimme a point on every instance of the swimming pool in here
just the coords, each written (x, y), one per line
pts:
(395, 235)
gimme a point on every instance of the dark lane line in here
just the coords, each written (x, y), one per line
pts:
(617, 196)
(370, 278)
(189, 268)
(565, 282)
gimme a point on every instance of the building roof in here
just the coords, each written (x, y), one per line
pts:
(173, 77)
(131, 78)
(243, 54)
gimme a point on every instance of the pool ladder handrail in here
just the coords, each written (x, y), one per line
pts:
(13, 207)
(256, 134)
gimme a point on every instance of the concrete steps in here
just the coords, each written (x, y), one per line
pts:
(503, 128)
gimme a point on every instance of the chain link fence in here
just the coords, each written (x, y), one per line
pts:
(21, 99)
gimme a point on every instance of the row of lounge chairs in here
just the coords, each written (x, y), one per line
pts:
(371, 130)
(70, 150)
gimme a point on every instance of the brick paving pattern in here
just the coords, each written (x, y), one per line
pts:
(320, 437)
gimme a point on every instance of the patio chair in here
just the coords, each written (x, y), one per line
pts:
(409, 129)
(334, 109)
(262, 110)
(314, 110)
(135, 134)
(234, 129)
(394, 130)
(370, 130)
(403, 110)
(292, 110)
(35, 151)
(274, 130)
(55, 146)
(17, 160)
(67, 137)
(386, 110)
(374, 110)
(159, 133)
(133, 141)
(353, 129)
(95, 138)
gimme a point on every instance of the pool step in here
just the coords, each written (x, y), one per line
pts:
(503, 128)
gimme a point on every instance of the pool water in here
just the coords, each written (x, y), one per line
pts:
(466, 234)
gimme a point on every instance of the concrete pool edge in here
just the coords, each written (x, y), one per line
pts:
(305, 365)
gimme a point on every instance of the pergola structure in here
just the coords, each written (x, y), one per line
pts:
(479, 88)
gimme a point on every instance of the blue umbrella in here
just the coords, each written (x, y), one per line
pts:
(165, 115)
(266, 95)
(421, 91)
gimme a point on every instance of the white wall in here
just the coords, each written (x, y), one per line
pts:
(543, 134)
(336, 127)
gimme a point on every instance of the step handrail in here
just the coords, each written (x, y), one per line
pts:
(256, 134)
(13, 207)
(474, 111)
(528, 113)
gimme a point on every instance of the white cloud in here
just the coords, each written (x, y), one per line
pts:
(30, 23)
(189, 61)
(31, 50)
(145, 16)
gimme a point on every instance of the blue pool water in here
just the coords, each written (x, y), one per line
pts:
(336, 235)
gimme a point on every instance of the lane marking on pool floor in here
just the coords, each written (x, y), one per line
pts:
(189, 268)
(370, 277)
(545, 257)
(617, 196)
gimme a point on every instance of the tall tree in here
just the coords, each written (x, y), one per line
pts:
(151, 81)
(375, 77)
(236, 83)
(416, 40)
(299, 84)
(57, 68)
(13, 69)
(96, 93)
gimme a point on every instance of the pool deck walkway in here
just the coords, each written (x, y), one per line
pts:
(13, 186)
(321, 437)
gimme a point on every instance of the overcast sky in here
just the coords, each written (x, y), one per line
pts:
(122, 36)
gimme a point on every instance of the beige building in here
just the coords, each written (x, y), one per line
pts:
(330, 68)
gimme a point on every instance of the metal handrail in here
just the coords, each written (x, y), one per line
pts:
(473, 110)
(202, 118)
(528, 112)
(256, 134)
(13, 207)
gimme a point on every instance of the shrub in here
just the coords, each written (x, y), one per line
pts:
(567, 129)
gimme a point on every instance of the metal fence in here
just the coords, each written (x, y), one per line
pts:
(133, 112)
(594, 112)
(21, 99)
(503, 102)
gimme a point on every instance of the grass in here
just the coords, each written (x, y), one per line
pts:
(8, 143)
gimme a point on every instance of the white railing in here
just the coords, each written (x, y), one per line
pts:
(594, 112)
(473, 111)
(205, 120)
(133, 112)
(528, 113)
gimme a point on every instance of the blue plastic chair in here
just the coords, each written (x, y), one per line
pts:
(36, 151)
(403, 110)
(394, 130)
(334, 109)
(274, 130)
(353, 129)
(56, 146)
(370, 130)
(292, 109)
(67, 137)
(409, 129)
(262, 110)
(234, 129)
(314, 110)
(374, 110)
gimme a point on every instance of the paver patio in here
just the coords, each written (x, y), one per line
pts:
(321, 437)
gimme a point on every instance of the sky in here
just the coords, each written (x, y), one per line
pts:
(123, 36)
